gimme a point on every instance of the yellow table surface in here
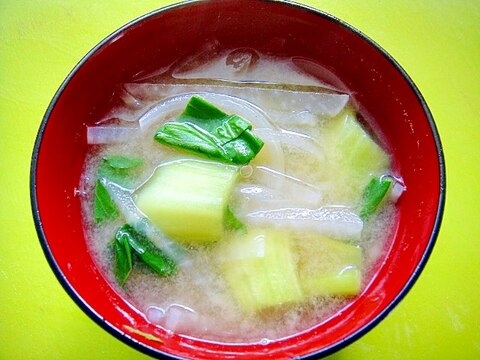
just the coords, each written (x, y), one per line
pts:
(437, 43)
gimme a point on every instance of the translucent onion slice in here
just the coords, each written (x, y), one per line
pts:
(125, 115)
(294, 118)
(123, 198)
(128, 110)
(335, 221)
(320, 72)
(251, 197)
(181, 319)
(228, 104)
(228, 66)
(110, 134)
(317, 102)
(294, 139)
(397, 191)
(291, 186)
(129, 100)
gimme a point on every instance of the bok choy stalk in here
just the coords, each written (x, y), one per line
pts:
(328, 267)
(123, 199)
(206, 130)
(188, 200)
(352, 157)
(259, 268)
(120, 170)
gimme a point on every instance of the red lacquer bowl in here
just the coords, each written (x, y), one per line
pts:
(379, 87)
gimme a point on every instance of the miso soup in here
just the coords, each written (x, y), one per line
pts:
(237, 199)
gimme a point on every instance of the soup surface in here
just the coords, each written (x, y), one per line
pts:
(226, 249)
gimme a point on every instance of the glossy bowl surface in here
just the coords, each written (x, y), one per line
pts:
(379, 87)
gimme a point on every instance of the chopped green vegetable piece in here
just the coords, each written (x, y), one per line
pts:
(123, 162)
(191, 137)
(352, 156)
(328, 267)
(232, 222)
(260, 269)
(103, 206)
(204, 129)
(200, 112)
(373, 196)
(187, 199)
(118, 169)
(123, 259)
(146, 251)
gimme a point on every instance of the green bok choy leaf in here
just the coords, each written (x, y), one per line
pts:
(206, 130)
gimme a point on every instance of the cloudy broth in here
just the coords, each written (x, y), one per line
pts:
(299, 118)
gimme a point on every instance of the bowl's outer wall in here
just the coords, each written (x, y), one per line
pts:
(377, 86)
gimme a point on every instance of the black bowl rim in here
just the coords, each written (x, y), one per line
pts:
(155, 352)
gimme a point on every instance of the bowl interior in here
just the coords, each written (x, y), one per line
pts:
(378, 87)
